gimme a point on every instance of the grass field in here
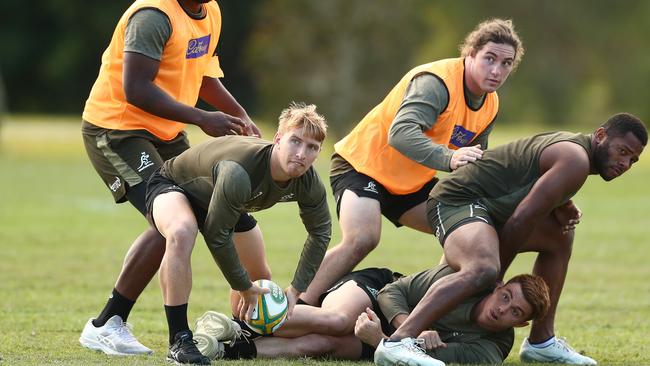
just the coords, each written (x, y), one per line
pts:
(62, 242)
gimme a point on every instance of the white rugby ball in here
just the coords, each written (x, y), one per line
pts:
(271, 309)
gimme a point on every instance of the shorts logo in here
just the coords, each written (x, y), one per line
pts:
(256, 195)
(479, 206)
(114, 187)
(144, 162)
(371, 187)
(197, 47)
(461, 137)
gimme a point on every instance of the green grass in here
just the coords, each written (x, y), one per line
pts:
(62, 241)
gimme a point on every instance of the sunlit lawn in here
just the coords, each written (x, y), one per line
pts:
(62, 242)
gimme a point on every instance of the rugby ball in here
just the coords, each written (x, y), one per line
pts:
(271, 309)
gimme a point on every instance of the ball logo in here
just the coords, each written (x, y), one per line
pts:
(271, 309)
(277, 295)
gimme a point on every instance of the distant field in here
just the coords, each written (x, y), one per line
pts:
(62, 241)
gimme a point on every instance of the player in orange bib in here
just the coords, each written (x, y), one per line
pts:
(160, 61)
(437, 117)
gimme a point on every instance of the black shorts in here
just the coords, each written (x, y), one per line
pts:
(159, 184)
(370, 280)
(126, 158)
(392, 206)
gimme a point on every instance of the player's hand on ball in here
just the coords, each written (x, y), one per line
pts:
(292, 298)
(248, 301)
(465, 155)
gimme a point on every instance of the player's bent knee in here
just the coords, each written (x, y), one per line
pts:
(484, 276)
(363, 244)
(181, 237)
(339, 324)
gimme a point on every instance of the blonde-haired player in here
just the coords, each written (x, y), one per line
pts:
(207, 187)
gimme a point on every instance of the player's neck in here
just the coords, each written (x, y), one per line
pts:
(476, 310)
(191, 6)
(277, 173)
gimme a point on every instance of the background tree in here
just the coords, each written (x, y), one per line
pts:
(585, 59)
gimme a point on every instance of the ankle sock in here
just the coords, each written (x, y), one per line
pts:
(545, 343)
(116, 305)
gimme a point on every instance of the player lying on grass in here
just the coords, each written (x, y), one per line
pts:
(517, 198)
(480, 330)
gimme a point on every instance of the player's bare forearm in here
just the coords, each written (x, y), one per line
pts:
(140, 91)
(213, 92)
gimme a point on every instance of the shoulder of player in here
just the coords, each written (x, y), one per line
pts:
(236, 176)
(566, 155)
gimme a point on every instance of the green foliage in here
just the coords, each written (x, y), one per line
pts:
(62, 242)
(341, 55)
(585, 60)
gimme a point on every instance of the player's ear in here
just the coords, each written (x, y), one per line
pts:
(277, 137)
(600, 134)
(522, 324)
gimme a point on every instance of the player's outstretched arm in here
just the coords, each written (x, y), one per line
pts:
(231, 190)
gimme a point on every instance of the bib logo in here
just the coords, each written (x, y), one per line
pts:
(197, 47)
(461, 137)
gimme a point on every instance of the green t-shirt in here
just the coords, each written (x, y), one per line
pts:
(230, 175)
(466, 341)
(504, 176)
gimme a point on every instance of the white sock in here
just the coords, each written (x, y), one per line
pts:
(544, 344)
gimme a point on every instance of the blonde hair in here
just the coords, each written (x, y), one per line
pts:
(301, 115)
(493, 30)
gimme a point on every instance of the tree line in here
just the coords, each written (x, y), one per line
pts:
(585, 59)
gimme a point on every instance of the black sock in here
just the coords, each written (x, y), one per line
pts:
(240, 349)
(116, 305)
(176, 320)
(367, 352)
